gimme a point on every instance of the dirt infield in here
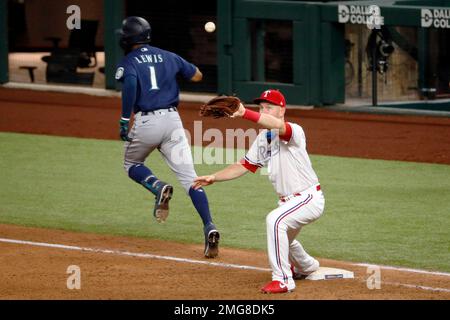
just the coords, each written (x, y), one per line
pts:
(34, 272)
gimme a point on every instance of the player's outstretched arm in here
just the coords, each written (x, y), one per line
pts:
(265, 120)
(233, 171)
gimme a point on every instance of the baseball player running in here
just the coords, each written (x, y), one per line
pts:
(281, 147)
(151, 91)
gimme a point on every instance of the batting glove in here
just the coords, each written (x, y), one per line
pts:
(124, 130)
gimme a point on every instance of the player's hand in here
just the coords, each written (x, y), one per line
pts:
(124, 130)
(203, 181)
(240, 112)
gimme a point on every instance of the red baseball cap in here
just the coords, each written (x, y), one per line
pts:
(273, 96)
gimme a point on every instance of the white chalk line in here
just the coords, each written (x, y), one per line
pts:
(216, 264)
(434, 273)
(134, 254)
(415, 286)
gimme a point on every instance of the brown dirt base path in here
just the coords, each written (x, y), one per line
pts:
(33, 272)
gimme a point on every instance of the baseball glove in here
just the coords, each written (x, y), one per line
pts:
(219, 107)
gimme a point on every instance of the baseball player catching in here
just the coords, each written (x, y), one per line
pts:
(151, 91)
(281, 147)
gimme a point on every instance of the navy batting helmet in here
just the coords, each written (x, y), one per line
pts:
(135, 30)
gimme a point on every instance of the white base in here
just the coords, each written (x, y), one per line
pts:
(330, 273)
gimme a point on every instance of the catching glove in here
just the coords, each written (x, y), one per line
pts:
(221, 106)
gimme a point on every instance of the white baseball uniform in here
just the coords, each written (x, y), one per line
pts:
(301, 199)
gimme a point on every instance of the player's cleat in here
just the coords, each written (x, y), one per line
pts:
(276, 286)
(296, 275)
(212, 237)
(302, 274)
(164, 194)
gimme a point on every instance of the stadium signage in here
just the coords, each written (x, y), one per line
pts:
(437, 18)
(368, 15)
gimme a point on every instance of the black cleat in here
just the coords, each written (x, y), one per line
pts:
(212, 237)
(161, 211)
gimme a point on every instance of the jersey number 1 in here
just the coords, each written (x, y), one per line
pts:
(153, 78)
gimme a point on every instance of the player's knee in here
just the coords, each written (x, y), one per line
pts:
(186, 183)
(126, 167)
(186, 186)
(271, 219)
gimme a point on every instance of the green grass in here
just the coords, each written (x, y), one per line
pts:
(386, 212)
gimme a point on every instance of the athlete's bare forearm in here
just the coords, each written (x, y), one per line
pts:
(231, 172)
(270, 122)
(265, 120)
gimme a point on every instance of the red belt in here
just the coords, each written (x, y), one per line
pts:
(286, 198)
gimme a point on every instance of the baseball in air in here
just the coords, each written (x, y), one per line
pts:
(210, 26)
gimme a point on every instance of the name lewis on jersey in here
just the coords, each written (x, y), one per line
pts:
(149, 58)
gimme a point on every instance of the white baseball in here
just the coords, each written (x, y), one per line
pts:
(210, 26)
